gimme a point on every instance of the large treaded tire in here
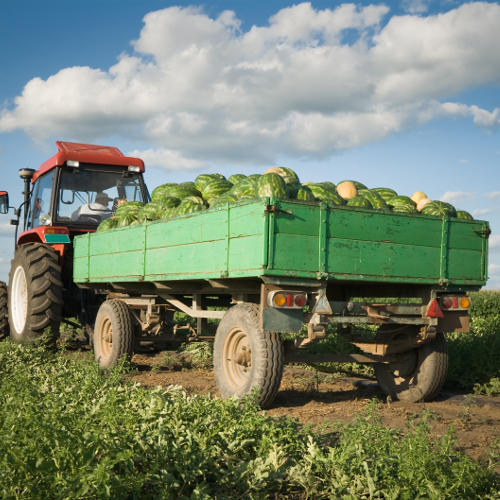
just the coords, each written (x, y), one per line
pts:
(113, 334)
(35, 294)
(424, 379)
(245, 358)
(4, 313)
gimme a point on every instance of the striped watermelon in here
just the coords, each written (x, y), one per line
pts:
(359, 201)
(439, 209)
(289, 176)
(376, 201)
(128, 219)
(106, 224)
(328, 185)
(202, 180)
(224, 199)
(254, 176)
(304, 194)
(462, 214)
(236, 178)
(246, 189)
(168, 202)
(271, 185)
(188, 206)
(402, 204)
(215, 188)
(150, 211)
(182, 190)
(132, 207)
(386, 193)
(322, 194)
(160, 191)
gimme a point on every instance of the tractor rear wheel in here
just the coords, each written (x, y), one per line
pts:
(35, 294)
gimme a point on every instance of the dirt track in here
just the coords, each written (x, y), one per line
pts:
(321, 400)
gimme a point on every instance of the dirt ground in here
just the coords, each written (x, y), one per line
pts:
(316, 399)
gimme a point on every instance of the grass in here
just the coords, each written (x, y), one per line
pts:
(70, 432)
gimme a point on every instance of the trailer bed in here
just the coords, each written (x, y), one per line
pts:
(269, 237)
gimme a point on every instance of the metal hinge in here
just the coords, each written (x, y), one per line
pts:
(485, 231)
(273, 209)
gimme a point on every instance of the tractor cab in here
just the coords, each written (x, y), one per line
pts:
(79, 187)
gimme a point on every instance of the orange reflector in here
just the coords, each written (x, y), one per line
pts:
(279, 300)
(464, 302)
(434, 311)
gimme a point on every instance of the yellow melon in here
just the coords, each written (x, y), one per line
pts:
(421, 203)
(347, 190)
(417, 196)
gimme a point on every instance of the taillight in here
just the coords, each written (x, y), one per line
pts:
(289, 300)
(454, 302)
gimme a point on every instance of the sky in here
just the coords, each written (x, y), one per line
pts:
(403, 95)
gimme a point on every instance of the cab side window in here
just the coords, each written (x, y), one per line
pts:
(40, 201)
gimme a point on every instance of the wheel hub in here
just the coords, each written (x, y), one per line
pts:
(237, 358)
(19, 300)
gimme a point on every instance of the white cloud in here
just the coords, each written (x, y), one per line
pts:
(494, 241)
(494, 269)
(416, 6)
(199, 89)
(493, 195)
(480, 211)
(455, 196)
(166, 158)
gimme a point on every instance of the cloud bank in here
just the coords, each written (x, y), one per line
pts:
(310, 82)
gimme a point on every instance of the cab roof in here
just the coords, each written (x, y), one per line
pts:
(87, 153)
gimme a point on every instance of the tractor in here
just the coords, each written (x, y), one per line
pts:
(70, 194)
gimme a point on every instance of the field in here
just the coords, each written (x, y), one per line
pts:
(69, 431)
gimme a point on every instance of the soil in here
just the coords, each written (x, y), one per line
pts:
(318, 399)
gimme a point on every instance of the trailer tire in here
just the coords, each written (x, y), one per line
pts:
(246, 358)
(113, 334)
(4, 314)
(424, 372)
(35, 294)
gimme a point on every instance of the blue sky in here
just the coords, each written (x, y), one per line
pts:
(397, 94)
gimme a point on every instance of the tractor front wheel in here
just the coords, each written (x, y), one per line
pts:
(4, 314)
(35, 294)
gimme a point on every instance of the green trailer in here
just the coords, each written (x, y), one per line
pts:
(265, 267)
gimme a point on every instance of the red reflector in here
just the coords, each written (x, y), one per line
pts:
(289, 300)
(455, 302)
(446, 302)
(300, 300)
(434, 311)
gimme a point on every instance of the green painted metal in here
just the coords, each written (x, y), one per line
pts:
(294, 240)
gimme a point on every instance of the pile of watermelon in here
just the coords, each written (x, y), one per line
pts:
(214, 190)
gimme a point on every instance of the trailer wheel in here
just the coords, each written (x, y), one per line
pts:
(4, 314)
(417, 375)
(113, 333)
(35, 294)
(245, 358)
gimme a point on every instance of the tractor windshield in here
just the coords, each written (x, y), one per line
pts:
(89, 194)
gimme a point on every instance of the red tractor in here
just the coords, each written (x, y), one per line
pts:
(70, 194)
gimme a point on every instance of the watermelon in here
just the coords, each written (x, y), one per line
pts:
(359, 201)
(168, 202)
(386, 193)
(289, 176)
(271, 185)
(327, 185)
(236, 178)
(150, 211)
(322, 194)
(202, 180)
(462, 214)
(224, 199)
(188, 206)
(402, 204)
(246, 189)
(160, 191)
(347, 190)
(219, 176)
(304, 194)
(128, 219)
(439, 209)
(215, 188)
(106, 224)
(254, 176)
(376, 201)
(357, 185)
(180, 191)
(128, 207)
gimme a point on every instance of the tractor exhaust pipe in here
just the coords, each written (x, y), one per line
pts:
(26, 174)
